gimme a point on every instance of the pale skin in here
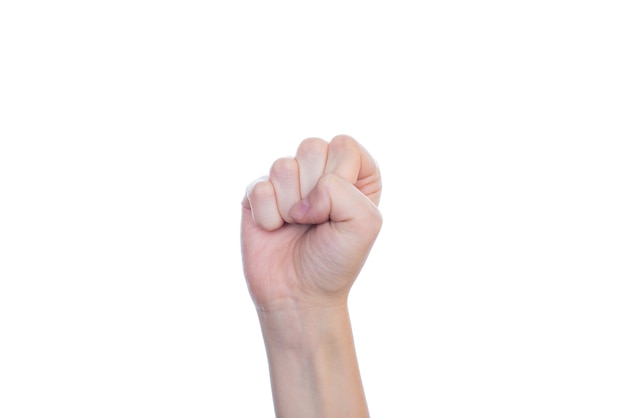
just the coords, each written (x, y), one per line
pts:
(306, 232)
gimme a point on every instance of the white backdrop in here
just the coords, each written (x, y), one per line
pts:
(130, 129)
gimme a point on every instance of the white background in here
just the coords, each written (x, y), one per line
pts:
(130, 129)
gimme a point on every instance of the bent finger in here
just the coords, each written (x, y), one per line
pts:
(286, 181)
(311, 157)
(261, 199)
(351, 161)
(337, 201)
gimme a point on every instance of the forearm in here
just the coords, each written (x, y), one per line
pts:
(313, 363)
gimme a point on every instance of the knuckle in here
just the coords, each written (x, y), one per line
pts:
(284, 167)
(329, 180)
(312, 147)
(270, 224)
(373, 222)
(261, 190)
(344, 142)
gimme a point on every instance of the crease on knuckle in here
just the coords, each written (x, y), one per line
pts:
(312, 147)
(344, 141)
(284, 167)
(261, 190)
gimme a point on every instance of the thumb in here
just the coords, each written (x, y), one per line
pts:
(339, 202)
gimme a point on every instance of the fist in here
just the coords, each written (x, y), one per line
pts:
(308, 227)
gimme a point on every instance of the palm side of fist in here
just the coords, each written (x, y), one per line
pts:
(308, 227)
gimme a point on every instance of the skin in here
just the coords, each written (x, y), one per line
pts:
(306, 232)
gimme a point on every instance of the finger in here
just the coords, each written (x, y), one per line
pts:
(286, 181)
(261, 200)
(311, 157)
(351, 161)
(335, 200)
(344, 158)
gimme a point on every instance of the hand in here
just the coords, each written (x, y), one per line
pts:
(307, 229)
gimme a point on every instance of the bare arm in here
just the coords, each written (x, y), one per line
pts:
(313, 364)
(306, 232)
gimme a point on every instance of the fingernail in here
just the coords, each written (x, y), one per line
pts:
(300, 209)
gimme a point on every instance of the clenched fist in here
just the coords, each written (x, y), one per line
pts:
(308, 227)
(306, 231)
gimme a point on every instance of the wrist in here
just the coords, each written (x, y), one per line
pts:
(312, 359)
(306, 328)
